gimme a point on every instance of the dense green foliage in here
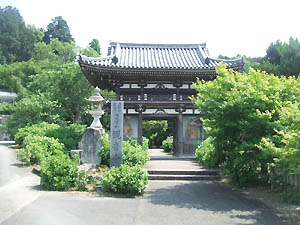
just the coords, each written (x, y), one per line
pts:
(133, 153)
(16, 40)
(39, 129)
(282, 58)
(59, 173)
(6, 108)
(32, 110)
(58, 170)
(59, 29)
(68, 135)
(207, 154)
(242, 111)
(156, 131)
(167, 144)
(125, 180)
(94, 44)
(37, 149)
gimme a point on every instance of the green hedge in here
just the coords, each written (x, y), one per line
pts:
(68, 135)
(38, 148)
(167, 144)
(125, 180)
(59, 173)
(39, 129)
(133, 153)
(207, 155)
(6, 108)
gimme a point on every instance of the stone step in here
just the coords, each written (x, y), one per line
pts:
(183, 177)
(183, 172)
(185, 158)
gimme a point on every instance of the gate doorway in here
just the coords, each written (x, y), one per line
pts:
(157, 131)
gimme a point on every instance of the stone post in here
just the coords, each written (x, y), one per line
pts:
(116, 133)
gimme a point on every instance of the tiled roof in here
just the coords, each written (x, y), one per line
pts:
(158, 56)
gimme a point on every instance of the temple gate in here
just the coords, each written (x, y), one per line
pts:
(155, 82)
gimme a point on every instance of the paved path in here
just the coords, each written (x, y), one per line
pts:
(23, 202)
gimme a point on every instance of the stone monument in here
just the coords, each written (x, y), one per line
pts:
(91, 140)
(116, 133)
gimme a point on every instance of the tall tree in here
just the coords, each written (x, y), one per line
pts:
(59, 29)
(16, 40)
(94, 44)
(283, 58)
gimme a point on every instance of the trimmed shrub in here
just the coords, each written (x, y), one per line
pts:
(207, 154)
(145, 145)
(125, 180)
(68, 135)
(34, 130)
(104, 151)
(167, 144)
(38, 149)
(60, 173)
(133, 153)
(6, 108)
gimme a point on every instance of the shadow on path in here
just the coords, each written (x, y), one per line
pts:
(216, 198)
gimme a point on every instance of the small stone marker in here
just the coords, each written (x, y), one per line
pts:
(116, 133)
(91, 142)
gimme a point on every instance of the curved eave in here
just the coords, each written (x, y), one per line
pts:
(111, 69)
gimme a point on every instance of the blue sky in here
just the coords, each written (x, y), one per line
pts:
(230, 27)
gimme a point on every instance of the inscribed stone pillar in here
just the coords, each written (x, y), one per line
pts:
(116, 133)
(91, 144)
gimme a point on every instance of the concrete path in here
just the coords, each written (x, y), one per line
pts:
(164, 166)
(161, 160)
(23, 202)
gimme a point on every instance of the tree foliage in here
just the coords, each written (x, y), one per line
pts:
(241, 110)
(16, 40)
(94, 44)
(156, 131)
(32, 110)
(283, 58)
(59, 29)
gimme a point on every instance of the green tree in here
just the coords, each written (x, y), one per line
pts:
(59, 29)
(55, 52)
(240, 110)
(155, 131)
(16, 40)
(65, 84)
(282, 58)
(32, 110)
(94, 44)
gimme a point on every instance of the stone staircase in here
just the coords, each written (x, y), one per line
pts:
(163, 166)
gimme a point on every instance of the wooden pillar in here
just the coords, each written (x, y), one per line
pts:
(179, 150)
(140, 128)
